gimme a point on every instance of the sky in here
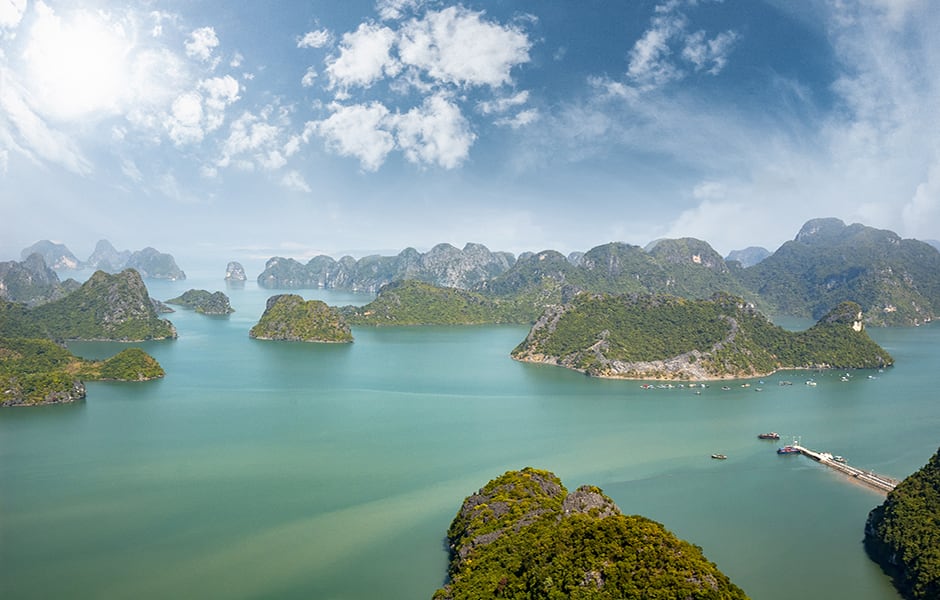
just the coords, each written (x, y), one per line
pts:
(243, 129)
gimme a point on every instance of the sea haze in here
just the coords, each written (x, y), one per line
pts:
(262, 469)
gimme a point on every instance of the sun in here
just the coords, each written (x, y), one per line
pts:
(78, 63)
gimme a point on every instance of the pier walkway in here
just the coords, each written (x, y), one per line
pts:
(874, 480)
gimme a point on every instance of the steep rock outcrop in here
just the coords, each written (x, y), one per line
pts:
(153, 264)
(56, 256)
(235, 273)
(289, 317)
(524, 536)
(443, 265)
(204, 302)
(106, 258)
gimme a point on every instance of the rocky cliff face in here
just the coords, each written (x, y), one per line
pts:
(235, 272)
(106, 258)
(56, 256)
(444, 265)
(152, 264)
(30, 282)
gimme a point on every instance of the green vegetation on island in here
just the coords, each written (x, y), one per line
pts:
(666, 337)
(896, 281)
(903, 534)
(291, 318)
(524, 536)
(204, 302)
(414, 302)
(39, 371)
(106, 307)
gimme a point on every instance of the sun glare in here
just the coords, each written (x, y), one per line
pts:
(78, 64)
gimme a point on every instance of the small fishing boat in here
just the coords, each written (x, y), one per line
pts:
(719, 456)
(772, 435)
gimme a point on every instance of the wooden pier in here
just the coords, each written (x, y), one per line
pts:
(869, 478)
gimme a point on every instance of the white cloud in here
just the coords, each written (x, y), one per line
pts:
(259, 140)
(365, 56)
(359, 130)
(221, 92)
(521, 119)
(922, 213)
(396, 9)
(293, 180)
(11, 13)
(309, 77)
(435, 133)
(650, 65)
(458, 46)
(201, 43)
(503, 104)
(184, 123)
(237, 60)
(315, 39)
(24, 131)
(666, 50)
(708, 55)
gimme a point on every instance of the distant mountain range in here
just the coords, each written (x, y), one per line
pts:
(150, 263)
(895, 281)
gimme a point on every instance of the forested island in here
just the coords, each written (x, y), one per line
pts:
(204, 302)
(665, 337)
(106, 307)
(289, 317)
(903, 534)
(38, 371)
(524, 536)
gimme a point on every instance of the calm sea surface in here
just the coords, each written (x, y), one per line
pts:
(271, 469)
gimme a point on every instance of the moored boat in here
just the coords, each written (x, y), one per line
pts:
(788, 449)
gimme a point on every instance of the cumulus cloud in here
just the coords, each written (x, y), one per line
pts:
(309, 77)
(360, 131)
(436, 133)
(365, 56)
(315, 39)
(440, 56)
(201, 43)
(458, 46)
(259, 140)
(198, 112)
(11, 13)
(184, 122)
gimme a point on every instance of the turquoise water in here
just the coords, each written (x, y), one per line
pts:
(267, 469)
